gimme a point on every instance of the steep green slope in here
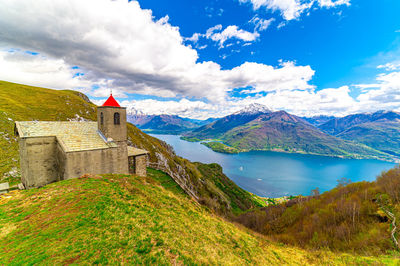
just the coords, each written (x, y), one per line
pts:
(24, 103)
(118, 219)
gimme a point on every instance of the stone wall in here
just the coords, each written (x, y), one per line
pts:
(102, 161)
(138, 165)
(39, 165)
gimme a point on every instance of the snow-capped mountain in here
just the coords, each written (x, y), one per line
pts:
(254, 108)
(133, 112)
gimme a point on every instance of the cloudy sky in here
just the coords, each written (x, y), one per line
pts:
(209, 58)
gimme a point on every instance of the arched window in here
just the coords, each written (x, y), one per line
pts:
(101, 118)
(116, 119)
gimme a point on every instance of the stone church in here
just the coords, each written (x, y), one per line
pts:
(53, 151)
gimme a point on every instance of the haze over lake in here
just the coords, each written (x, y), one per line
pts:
(275, 174)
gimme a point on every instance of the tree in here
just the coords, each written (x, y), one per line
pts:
(315, 192)
(343, 182)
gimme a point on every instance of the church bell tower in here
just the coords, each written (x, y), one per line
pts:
(111, 120)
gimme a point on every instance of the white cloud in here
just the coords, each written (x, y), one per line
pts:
(119, 45)
(230, 32)
(335, 101)
(35, 69)
(385, 94)
(390, 66)
(195, 38)
(330, 3)
(220, 35)
(292, 9)
(183, 108)
(261, 24)
(306, 101)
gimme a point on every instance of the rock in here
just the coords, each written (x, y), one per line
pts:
(4, 187)
(21, 186)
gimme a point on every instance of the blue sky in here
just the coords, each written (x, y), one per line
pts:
(343, 44)
(210, 58)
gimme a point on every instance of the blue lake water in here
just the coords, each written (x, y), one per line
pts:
(275, 174)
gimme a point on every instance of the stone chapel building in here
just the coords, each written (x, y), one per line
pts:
(56, 150)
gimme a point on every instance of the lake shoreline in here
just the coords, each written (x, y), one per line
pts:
(275, 174)
(233, 150)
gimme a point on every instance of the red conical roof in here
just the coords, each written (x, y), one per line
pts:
(111, 102)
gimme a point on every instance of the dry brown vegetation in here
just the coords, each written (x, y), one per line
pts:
(348, 217)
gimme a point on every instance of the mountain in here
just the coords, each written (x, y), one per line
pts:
(318, 120)
(253, 109)
(169, 124)
(379, 130)
(279, 131)
(204, 183)
(337, 125)
(199, 122)
(283, 131)
(216, 129)
(161, 123)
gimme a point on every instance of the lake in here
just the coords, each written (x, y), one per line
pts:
(276, 174)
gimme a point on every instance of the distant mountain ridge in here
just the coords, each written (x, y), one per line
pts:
(262, 129)
(217, 128)
(170, 124)
(379, 130)
(318, 120)
(337, 125)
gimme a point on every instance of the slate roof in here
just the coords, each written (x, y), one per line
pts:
(135, 151)
(73, 136)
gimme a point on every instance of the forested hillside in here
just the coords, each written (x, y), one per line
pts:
(353, 216)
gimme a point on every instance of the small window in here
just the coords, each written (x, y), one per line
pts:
(101, 118)
(116, 119)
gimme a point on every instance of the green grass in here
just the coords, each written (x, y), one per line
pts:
(220, 147)
(120, 219)
(190, 139)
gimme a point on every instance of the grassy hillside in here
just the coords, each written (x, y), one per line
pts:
(118, 219)
(25, 103)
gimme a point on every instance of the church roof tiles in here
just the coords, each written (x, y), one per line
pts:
(73, 136)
